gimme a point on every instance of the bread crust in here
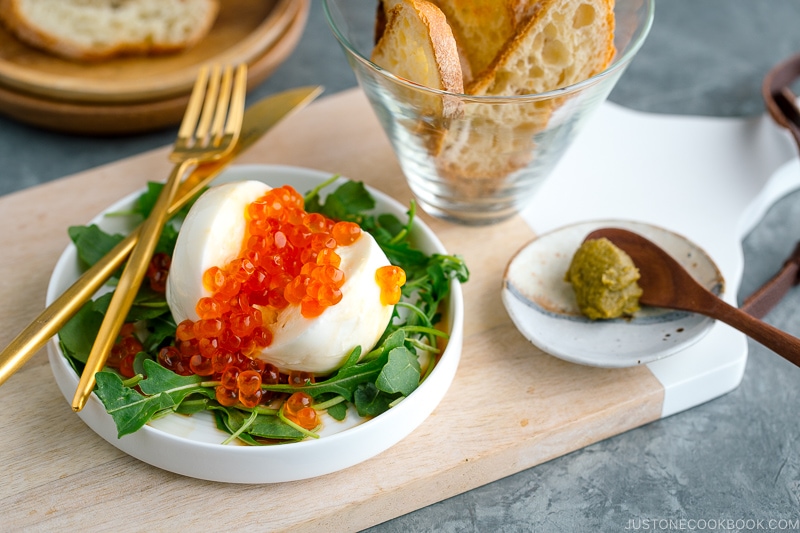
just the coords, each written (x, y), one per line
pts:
(439, 42)
(30, 31)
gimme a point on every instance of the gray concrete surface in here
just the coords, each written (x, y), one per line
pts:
(732, 464)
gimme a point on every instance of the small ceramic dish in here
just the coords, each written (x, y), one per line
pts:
(542, 304)
(191, 445)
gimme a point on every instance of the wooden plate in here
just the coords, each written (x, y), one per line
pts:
(242, 32)
(93, 118)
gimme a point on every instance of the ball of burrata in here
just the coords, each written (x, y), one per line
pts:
(214, 233)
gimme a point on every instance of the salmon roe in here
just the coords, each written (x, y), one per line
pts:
(297, 408)
(390, 278)
(124, 351)
(288, 257)
(157, 271)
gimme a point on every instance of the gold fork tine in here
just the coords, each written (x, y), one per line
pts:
(224, 100)
(190, 148)
(195, 105)
(211, 104)
(239, 92)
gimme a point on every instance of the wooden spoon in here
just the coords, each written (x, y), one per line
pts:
(665, 283)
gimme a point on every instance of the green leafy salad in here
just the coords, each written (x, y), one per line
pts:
(369, 383)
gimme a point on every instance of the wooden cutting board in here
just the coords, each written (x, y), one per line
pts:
(509, 408)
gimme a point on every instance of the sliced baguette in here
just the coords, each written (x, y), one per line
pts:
(417, 45)
(96, 30)
(483, 27)
(385, 6)
(565, 42)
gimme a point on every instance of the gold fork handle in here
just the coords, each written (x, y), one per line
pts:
(128, 286)
(53, 318)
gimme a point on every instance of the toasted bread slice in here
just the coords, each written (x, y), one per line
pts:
(381, 14)
(384, 6)
(483, 27)
(95, 30)
(567, 41)
(418, 45)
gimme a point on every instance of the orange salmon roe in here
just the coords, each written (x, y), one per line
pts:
(124, 351)
(288, 257)
(297, 408)
(390, 279)
(157, 272)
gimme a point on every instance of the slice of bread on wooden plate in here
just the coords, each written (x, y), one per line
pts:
(97, 30)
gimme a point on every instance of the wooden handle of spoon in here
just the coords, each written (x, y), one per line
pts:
(776, 340)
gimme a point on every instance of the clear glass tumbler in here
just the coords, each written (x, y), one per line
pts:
(478, 159)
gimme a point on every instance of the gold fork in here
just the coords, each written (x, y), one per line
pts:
(209, 131)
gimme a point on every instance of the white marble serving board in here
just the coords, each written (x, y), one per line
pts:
(710, 179)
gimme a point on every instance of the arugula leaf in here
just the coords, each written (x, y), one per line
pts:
(264, 426)
(394, 377)
(401, 372)
(192, 405)
(391, 224)
(167, 240)
(78, 334)
(353, 358)
(343, 383)
(160, 331)
(350, 375)
(138, 362)
(163, 390)
(160, 380)
(146, 305)
(392, 338)
(92, 242)
(335, 405)
(370, 401)
(129, 409)
(348, 202)
(338, 411)
(145, 203)
(272, 427)
(404, 255)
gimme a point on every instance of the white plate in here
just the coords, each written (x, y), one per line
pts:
(190, 445)
(542, 304)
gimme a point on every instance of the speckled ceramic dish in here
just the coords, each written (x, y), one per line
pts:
(542, 304)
